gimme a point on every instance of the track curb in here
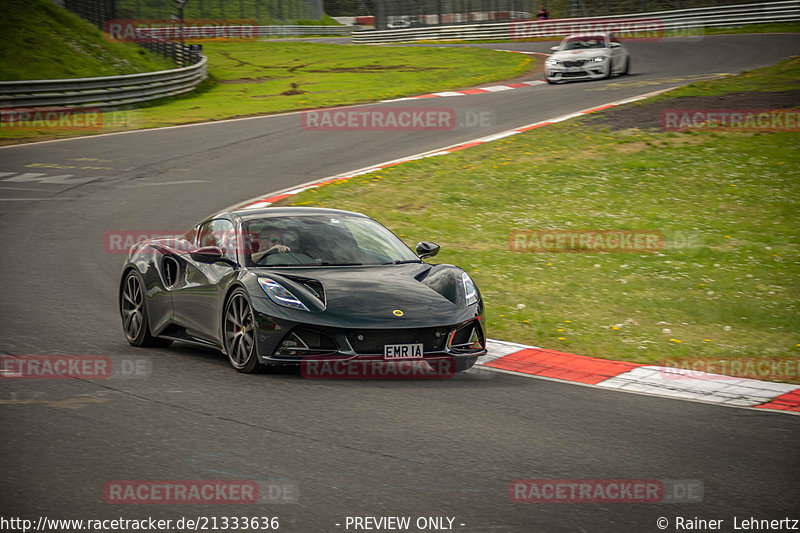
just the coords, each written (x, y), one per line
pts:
(622, 376)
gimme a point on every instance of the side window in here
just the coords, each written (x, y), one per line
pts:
(220, 233)
(204, 235)
(224, 235)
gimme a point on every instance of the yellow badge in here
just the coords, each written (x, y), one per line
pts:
(397, 312)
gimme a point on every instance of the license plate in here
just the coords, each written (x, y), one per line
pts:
(392, 352)
(570, 69)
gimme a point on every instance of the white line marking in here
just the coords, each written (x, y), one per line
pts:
(184, 182)
(37, 199)
(440, 151)
(641, 393)
(497, 88)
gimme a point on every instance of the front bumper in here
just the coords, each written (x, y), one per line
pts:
(282, 342)
(587, 71)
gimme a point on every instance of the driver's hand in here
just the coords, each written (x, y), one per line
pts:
(279, 249)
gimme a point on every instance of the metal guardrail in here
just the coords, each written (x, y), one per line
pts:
(264, 31)
(116, 91)
(250, 32)
(676, 20)
(103, 91)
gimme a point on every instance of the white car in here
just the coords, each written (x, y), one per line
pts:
(398, 24)
(587, 57)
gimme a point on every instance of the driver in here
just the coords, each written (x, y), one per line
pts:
(274, 241)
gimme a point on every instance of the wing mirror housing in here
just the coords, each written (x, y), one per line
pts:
(554, 48)
(427, 249)
(210, 255)
(615, 45)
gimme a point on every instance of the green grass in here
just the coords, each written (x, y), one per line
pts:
(785, 76)
(725, 285)
(772, 27)
(249, 78)
(44, 41)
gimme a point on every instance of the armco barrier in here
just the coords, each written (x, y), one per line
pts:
(233, 31)
(103, 91)
(135, 88)
(683, 19)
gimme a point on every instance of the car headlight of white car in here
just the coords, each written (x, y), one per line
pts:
(550, 62)
(598, 59)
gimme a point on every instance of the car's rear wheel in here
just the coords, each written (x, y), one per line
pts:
(627, 68)
(133, 308)
(240, 333)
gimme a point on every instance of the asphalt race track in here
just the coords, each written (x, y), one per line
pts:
(352, 448)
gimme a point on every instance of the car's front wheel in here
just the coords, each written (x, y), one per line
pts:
(133, 308)
(627, 68)
(240, 333)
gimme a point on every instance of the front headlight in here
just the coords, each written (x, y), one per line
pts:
(280, 294)
(598, 59)
(470, 292)
(550, 62)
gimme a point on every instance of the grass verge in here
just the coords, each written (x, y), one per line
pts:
(725, 284)
(256, 78)
(44, 41)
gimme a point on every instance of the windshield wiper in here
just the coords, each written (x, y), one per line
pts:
(405, 261)
(334, 263)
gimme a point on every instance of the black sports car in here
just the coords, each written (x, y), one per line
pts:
(280, 286)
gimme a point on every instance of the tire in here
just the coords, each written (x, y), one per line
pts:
(238, 333)
(627, 69)
(133, 310)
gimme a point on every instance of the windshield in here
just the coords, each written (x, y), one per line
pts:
(583, 42)
(321, 240)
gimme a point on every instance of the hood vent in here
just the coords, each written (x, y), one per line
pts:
(314, 286)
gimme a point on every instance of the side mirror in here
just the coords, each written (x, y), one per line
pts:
(615, 45)
(427, 249)
(207, 254)
(554, 48)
